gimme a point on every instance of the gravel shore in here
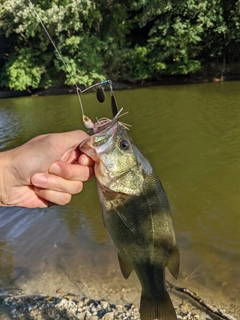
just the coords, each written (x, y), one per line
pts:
(43, 307)
(40, 307)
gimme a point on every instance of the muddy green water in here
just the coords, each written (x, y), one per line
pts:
(191, 135)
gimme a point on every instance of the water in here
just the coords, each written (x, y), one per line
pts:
(191, 135)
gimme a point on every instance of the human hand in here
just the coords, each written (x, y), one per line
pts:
(47, 169)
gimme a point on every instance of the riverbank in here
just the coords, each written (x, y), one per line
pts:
(70, 307)
(204, 76)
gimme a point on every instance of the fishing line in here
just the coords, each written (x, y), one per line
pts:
(78, 90)
(58, 52)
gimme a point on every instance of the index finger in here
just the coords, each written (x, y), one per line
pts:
(72, 172)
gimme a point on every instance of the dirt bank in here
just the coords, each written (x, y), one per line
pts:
(17, 305)
(207, 74)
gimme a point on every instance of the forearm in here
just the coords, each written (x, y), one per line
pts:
(5, 172)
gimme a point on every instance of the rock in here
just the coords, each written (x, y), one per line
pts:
(105, 304)
(81, 316)
(13, 311)
(108, 316)
(185, 309)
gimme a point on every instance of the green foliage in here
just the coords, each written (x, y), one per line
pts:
(21, 71)
(123, 40)
(177, 29)
(32, 61)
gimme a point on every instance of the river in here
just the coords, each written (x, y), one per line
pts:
(191, 135)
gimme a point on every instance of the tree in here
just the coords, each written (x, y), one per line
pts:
(32, 62)
(122, 39)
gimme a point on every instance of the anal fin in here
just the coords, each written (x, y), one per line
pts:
(173, 262)
(124, 266)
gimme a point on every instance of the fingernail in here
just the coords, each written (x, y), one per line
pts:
(83, 160)
(39, 179)
(55, 169)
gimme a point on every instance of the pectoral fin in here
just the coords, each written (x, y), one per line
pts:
(123, 214)
(173, 262)
(124, 266)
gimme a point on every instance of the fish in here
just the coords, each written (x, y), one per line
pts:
(136, 214)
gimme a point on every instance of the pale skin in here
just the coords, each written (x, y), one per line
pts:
(47, 169)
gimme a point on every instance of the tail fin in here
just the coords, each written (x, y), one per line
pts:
(157, 307)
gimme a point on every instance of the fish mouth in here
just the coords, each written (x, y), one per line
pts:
(100, 142)
(87, 148)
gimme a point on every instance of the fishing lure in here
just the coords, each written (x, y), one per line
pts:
(103, 123)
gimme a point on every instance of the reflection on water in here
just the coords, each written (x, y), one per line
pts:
(191, 135)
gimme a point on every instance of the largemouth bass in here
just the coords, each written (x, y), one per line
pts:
(136, 215)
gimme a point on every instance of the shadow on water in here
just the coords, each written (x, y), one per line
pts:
(191, 135)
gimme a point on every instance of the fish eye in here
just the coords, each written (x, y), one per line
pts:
(124, 144)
